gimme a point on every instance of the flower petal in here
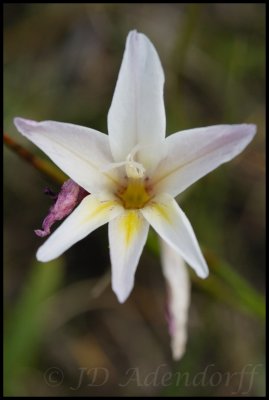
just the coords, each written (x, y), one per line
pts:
(78, 151)
(137, 113)
(127, 237)
(88, 216)
(178, 284)
(170, 222)
(195, 152)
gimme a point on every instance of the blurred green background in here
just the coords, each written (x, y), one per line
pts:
(65, 332)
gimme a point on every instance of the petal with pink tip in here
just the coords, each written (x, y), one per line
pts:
(80, 152)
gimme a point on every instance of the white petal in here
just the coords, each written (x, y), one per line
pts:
(127, 237)
(88, 216)
(77, 150)
(178, 283)
(170, 222)
(195, 152)
(137, 113)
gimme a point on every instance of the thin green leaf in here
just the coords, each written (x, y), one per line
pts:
(224, 283)
(25, 326)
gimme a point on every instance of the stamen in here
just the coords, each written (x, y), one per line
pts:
(133, 168)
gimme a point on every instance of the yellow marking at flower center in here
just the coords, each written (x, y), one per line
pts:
(162, 211)
(99, 208)
(130, 225)
(135, 195)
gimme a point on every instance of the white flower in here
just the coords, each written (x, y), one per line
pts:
(134, 173)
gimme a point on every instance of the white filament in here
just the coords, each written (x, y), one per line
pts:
(133, 168)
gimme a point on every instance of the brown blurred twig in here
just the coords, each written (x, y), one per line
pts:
(41, 165)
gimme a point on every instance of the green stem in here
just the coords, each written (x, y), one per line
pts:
(42, 166)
